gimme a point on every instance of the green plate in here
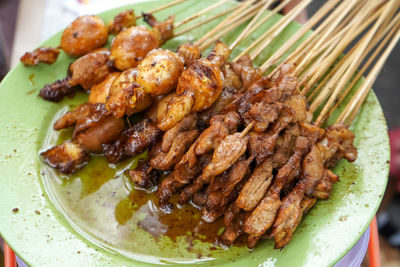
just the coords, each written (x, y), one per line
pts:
(51, 229)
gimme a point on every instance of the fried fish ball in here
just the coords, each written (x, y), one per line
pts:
(131, 45)
(83, 35)
(99, 92)
(159, 72)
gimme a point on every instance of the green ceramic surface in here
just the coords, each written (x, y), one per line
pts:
(57, 228)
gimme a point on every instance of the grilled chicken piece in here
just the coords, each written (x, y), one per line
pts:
(324, 187)
(243, 68)
(83, 35)
(99, 92)
(198, 87)
(220, 127)
(67, 157)
(189, 52)
(165, 29)
(336, 144)
(122, 21)
(86, 71)
(228, 151)
(93, 126)
(262, 115)
(166, 160)
(234, 229)
(47, 55)
(132, 141)
(289, 216)
(159, 71)
(56, 91)
(126, 96)
(299, 105)
(256, 187)
(190, 190)
(142, 175)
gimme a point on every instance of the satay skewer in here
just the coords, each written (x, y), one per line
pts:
(160, 8)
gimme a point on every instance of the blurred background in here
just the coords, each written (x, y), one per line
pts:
(24, 24)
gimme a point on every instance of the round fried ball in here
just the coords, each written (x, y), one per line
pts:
(83, 35)
(131, 45)
(159, 71)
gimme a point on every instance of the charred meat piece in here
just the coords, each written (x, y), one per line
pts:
(190, 190)
(132, 141)
(187, 124)
(90, 69)
(99, 92)
(262, 115)
(166, 160)
(165, 29)
(243, 68)
(220, 127)
(93, 126)
(228, 151)
(255, 188)
(122, 21)
(143, 176)
(67, 157)
(189, 52)
(299, 105)
(46, 55)
(289, 216)
(56, 91)
(234, 229)
(231, 79)
(324, 187)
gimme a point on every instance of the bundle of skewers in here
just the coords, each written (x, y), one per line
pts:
(229, 140)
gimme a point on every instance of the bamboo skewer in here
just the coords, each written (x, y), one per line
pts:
(245, 16)
(198, 14)
(354, 63)
(173, 3)
(249, 26)
(350, 111)
(278, 28)
(299, 34)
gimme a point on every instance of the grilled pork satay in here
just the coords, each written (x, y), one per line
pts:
(131, 45)
(47, 55)
(264, 214)
(83, 35)
(122, 21)
(86, 71)
(198, 86)
(67, 157)
(132, 141)
(189, 52)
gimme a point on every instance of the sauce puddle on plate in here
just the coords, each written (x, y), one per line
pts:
(101, 203)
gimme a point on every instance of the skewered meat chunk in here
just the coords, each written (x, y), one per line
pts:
(99, 92)
(142, 175)
(189, 52)
(255, 188)
(220, 127)
(187, 124)
(228, 151)
(67, 157)
(90, 69)
(93, 126)
(289, 216)
(126, 96)
(122, 21)
(299, 105)
(132, 141)
(336, 144)
(46, 55)
(198, 86)
(57, 90)
(159, 71)
(83, 35)
(243, 68)
(166, 160)
(131, 45)
(262, 115)
(165, 28)
(324, 187)
(86, 71)
(234, 229)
